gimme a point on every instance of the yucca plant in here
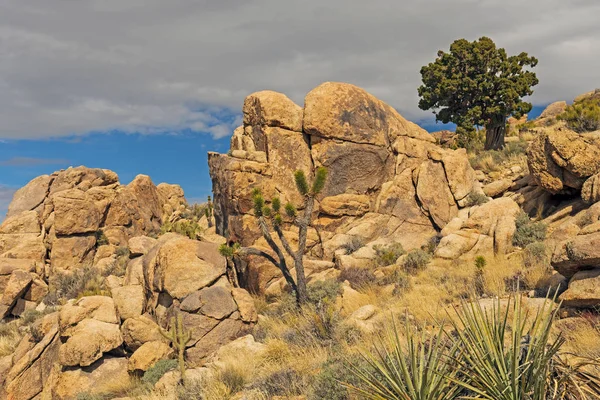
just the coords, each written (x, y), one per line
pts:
(506, 355)
(417, 370)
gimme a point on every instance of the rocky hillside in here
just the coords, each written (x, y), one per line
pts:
(96, 277)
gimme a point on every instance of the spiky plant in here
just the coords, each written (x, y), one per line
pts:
(208, 211)
(271, 218)
(179, 338)
(417, 370)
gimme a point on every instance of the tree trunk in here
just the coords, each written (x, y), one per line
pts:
(298, 260)
(495, 131)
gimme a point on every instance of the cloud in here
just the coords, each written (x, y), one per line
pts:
(153, 66)
(32, 161)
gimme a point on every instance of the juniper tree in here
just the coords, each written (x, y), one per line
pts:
(270, 218)
(477, 84)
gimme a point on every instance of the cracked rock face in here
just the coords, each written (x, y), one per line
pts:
(387, 179)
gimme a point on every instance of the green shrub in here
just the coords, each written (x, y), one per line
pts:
(528, 231)
(328, 382)
(583, 116)
(325, 291)
(535, 254)
(387, 254)
(154, 373)
(354, 244)
(183, 227)
(416, 259)
(285, 382)
(476, 199)
(358, 277)
(85, 281)
(101, 239)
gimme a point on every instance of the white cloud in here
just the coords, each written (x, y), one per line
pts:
(151, 65)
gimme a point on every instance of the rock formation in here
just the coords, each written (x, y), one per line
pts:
(388, 180)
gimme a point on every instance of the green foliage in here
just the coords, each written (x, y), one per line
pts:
(480, 262)
(492, 354)
(229, 251)
(324, 291)
(583, 116)
(416, 260)
(266, 211)
(528, 231)
(74, 284)
(154, 373)
(290, 210)
(469, 138)
(535, 254)
(387, 254)
(319, 182)
(476, 199)
(354, 244)
(276, 204)
(301, 183)
(327, 383)
(184, 227)
(101, 239)
(477, 84)
(259, 203)
(417, 371)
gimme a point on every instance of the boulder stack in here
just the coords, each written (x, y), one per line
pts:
(388, 180)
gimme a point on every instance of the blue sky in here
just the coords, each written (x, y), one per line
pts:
(179, 158)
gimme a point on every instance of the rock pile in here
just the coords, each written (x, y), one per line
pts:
(388, 180)
(75, 217)
(101, 339)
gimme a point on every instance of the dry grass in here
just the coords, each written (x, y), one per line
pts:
(9, 337)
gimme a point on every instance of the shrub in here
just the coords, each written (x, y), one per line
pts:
(432, 244)
(399, 279)
(354, 244)
(233, 377)
(192, 390)
(416, 259)
(480, 263)
(535, 254)
(101, 239)
(85, 281)
(324, 291)
(583, 116)
(359, 278)
(328, 382)
(183, 227)
(528, 231)
(154, 373)
(476, 199)
(388, 255)
(285, 382)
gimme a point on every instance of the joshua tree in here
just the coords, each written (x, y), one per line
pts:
(270, 217)
(179, 338)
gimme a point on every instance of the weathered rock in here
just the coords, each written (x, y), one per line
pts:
(215, 302)
(461, 177)
(130, 300)
(498, 187)
(590, 191)
(579, 253)
(583, 291)
(561, 160)
(75, 213)
(96, 379)
(72, 252)
(30, 196)
(268, 108)
(345, 204)
(88, 341)
(139, 330)
(147, 355)
(140, 245)
(185, 265)
(434, 193)
(100, 308)
(245, 305)
(456, 244)
(225, 332)
(16, 287)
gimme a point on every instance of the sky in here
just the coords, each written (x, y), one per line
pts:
(149, 86)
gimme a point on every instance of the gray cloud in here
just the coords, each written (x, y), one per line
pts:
(151, 65)
(31, 161)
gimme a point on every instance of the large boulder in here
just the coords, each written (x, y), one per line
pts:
(583, 290)
(577, 254)
(387, 178)
(561, 160)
